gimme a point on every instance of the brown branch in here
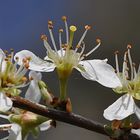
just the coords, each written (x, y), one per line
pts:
(62, 116)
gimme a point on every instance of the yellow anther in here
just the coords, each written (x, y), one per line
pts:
(87, 27)
(73, 28)
(43, 37)
(64, 18)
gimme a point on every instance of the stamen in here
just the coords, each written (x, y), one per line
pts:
(64, 18)
(83, 48)
(87, 27)
(124, 70)
(72, 30)
(130, 61)
(117, 64)
(134, 70)
(12, 54)
(60, 41)
(50, 27)
(46, 44)
(96, 47)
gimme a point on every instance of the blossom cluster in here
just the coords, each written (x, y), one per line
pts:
(23, 70)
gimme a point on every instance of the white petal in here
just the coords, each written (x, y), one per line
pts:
(45, 126)
(120, 109)
(2, 55)
(136, 131)
(137, 111)
(35, 63)
(15, 132)
(100, 71)
(35, 75)
(33, 92)
(5, 102)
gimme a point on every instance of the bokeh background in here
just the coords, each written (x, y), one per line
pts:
(115, 22)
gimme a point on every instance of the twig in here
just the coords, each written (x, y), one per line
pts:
(69, 118)
(58, 115)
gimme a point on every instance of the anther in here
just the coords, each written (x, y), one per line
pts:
(31, 78)
(133, 64)
(116, 52)
(28, 58)
(64, 18)
(129, 46)
(98, 40)
(12, 50)
(24, 79)
(43, 37)
(87, 27)
(5, 51)
(17, 58)
(24, 60)
(60, 30)
(50, 23)
(26, 65)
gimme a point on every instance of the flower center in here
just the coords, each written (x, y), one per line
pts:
(129, 77)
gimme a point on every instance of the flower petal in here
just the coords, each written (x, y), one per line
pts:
(100, 71)
(137, 111)
(120, 109)
(136, 131)
(15, 132)
(35, 63)
(5, 102)
(45, 126)
(33, 92)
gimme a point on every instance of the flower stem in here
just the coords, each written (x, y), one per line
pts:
(63, 89)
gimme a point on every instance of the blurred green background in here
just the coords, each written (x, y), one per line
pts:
(115, 22)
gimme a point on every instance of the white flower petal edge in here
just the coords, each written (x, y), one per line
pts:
(33, 92)
(137, 112)
(5, 102)
(100, 71)
(121, 108)
(136, 131)
(35, 63)
(15, 132)
(45, 126)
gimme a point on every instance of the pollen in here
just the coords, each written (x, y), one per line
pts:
(73, 28)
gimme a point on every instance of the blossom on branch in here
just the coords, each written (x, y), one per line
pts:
(130, 80)
(67, 57)
(23, 124)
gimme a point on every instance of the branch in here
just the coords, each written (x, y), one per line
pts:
(62, 116)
